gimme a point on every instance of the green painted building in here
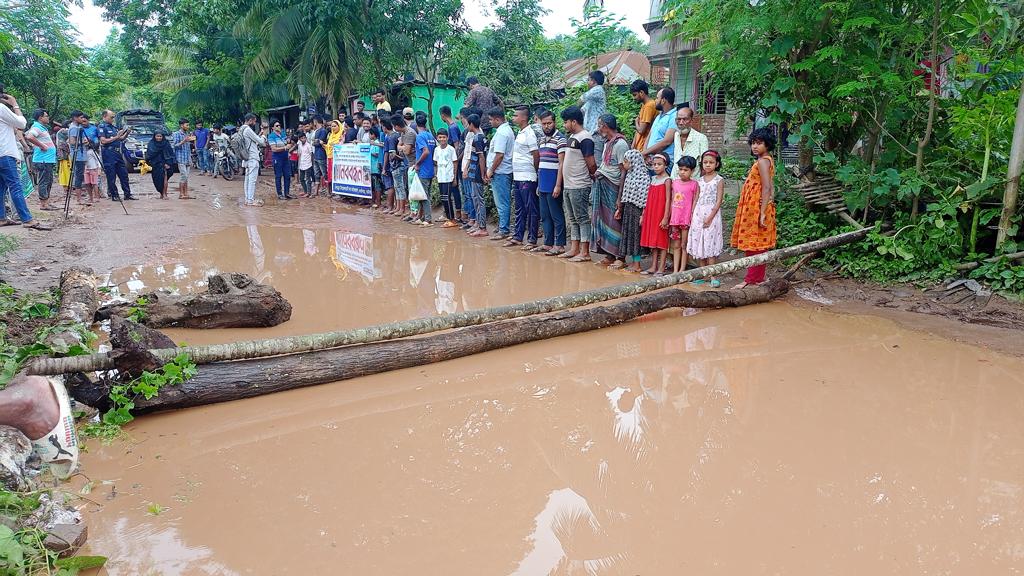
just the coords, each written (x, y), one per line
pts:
(417, 95)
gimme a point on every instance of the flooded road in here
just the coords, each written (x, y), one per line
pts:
(350, 278)
(760, 440)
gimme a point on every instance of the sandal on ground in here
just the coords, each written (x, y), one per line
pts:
(579, 258)
(740, 286)
(511, 243)
(37, 225)
(554, 252)
(255, 203)
(7, 223)
(566, 254)
(59, 448)
(617, 265)
(528, 247)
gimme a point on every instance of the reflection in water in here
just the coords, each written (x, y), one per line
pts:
(338, 279)
(758, 440)
(160, 550)
(564, 537)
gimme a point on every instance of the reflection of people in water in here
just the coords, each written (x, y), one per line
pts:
(259, 257)
(614, 465)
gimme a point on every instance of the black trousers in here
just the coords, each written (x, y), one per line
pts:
(115, 169)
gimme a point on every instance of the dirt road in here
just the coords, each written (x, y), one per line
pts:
(781, 438)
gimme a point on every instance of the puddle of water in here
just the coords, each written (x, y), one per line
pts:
(767, 439)
(337, 279)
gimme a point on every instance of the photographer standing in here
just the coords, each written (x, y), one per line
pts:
(11, 118)
(114, 167)
(252, 143)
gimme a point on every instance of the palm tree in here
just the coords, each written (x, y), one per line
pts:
(178, 74)
(318, 46)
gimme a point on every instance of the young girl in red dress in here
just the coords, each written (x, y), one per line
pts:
(754, 228)
(654, 224)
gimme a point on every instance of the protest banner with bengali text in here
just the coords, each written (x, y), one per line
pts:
(350, 171)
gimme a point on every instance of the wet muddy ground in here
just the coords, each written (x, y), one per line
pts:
(781, 438)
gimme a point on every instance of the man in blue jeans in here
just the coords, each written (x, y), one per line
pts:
(499, 169)
(202, 135)
(11, 118)
(279, 147)
(114, 167)
(425, 144)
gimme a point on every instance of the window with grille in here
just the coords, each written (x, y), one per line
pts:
(712, 100)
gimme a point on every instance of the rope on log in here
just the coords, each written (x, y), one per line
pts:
(327, 340)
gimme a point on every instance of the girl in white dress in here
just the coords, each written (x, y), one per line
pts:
(705, 240)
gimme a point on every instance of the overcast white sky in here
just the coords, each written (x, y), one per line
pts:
(93, 30)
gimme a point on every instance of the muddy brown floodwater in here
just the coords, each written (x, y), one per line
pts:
(766, 440)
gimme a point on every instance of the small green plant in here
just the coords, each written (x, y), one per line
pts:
(148, 385)
(16, 350)
(1001, 276)
(137, 313)
(22, 551)
(155, 509)
(8, 244)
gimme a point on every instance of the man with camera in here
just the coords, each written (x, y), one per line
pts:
(114, 167)
(11, 119)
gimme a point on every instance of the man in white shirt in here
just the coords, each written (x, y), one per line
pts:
(525, 159)
(252, 143)
(689, 142)
(499, 169)
(11, 118)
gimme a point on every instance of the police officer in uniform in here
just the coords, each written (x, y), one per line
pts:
(113, 156)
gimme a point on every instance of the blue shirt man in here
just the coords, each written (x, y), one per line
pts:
(278, 139)
(112, 151)
(662, 124)
(202, 136)
(425, 141)
(114, 166)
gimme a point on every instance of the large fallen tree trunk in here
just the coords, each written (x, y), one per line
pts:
(312, 342)
(225, 381)
(78, 304)
(232, 300)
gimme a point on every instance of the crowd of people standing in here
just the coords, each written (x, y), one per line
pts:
(571, 192)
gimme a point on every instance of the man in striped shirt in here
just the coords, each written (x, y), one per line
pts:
(552, 153)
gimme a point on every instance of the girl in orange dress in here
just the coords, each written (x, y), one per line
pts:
(754, 228)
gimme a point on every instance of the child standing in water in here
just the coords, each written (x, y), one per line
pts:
(684, 190)
(705, 242)
(754, 228)
(654, 224)
(630, 208)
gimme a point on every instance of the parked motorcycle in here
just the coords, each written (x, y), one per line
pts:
(225, 163)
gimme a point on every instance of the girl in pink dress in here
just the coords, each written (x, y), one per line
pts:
(680, 210)
(705, 242)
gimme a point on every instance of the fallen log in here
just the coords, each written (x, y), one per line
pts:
(78, 304)
(132, 342)
(323, 341)
(226, 381)
(231, 300)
